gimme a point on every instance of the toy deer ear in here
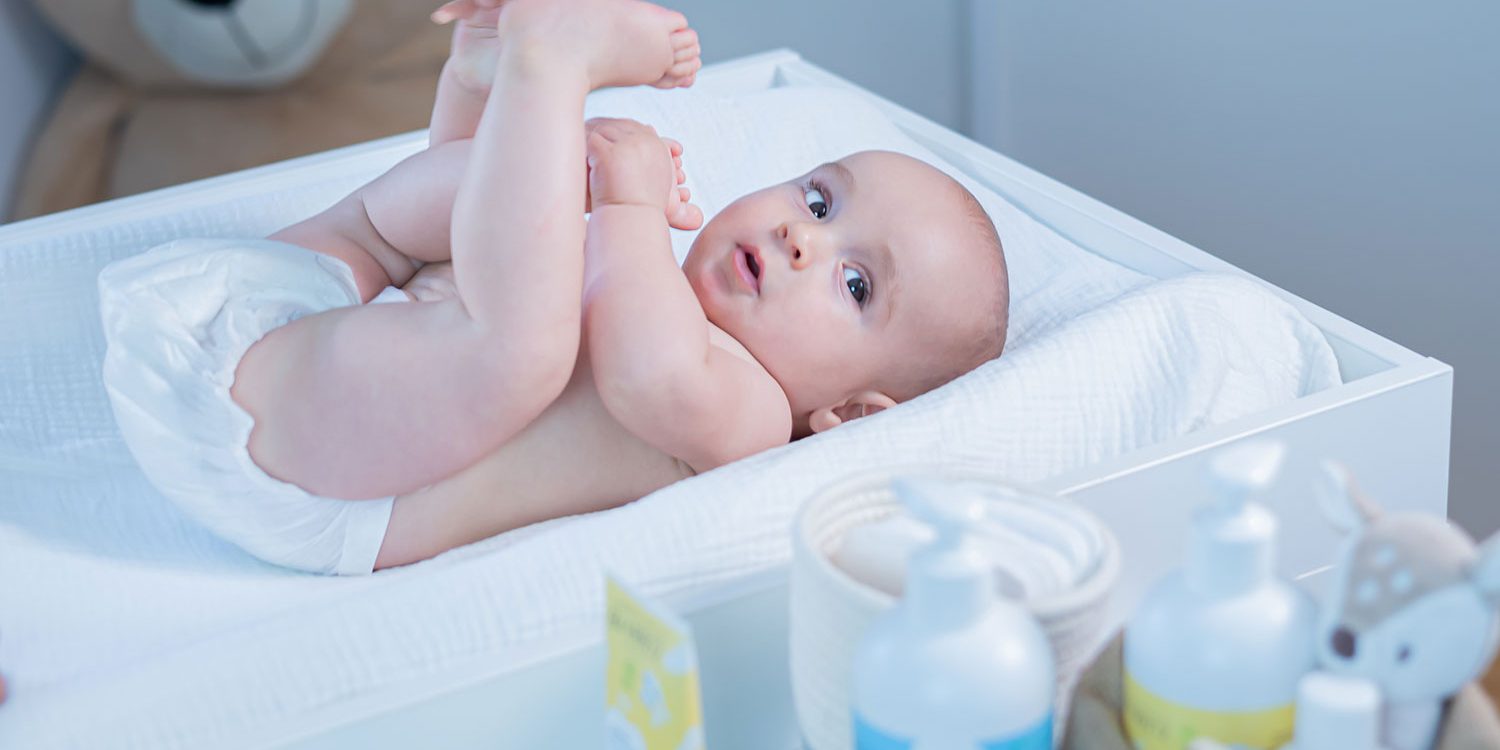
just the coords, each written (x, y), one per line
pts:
(1341, 501)
(1486, 571)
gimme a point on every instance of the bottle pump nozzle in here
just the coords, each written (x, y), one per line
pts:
(948, 580)
(1232, 545)
(940, 505)
(1243, 469)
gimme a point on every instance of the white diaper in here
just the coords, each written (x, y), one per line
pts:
(177, 320)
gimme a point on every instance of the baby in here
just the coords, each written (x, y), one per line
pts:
(562, 365)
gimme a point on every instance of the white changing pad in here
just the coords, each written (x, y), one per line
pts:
(122, 624)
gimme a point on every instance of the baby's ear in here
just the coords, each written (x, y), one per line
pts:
(861, 404)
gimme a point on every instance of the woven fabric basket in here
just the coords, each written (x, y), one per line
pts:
(830, 610)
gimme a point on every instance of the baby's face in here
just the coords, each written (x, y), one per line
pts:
(837, 281)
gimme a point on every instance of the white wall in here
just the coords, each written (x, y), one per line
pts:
(909, 52)
(1346, 150)
(33, 65)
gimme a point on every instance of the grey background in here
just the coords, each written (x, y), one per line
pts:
(1346, 150)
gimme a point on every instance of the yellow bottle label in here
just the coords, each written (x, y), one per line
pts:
(651, 676)
(1155, 723)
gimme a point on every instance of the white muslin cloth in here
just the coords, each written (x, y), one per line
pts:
(177, 320)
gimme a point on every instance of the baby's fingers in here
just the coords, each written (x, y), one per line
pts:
(675, 148)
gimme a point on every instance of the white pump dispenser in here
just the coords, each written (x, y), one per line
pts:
(1217, 648)
(952, 665)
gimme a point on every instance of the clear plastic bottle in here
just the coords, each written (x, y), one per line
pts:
(952, 665)
(1217, 648)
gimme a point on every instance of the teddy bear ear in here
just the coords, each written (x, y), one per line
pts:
(1340, 499)
(1486, 571)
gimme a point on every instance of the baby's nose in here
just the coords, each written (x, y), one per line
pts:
(803, 243)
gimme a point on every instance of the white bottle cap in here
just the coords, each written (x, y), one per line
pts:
(1233, 542)
(1337, 713)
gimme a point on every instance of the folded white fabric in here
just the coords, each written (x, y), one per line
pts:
(178, 319)
(203, 643)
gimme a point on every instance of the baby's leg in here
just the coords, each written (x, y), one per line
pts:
(387, 229)
(384, 399)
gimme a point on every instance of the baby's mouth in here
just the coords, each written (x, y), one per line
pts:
(747, 264)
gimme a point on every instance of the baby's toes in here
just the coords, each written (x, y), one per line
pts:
(467, 10)
(684, 45)
(683, 215)
(686, 59)
(680, 75)
(449, 11)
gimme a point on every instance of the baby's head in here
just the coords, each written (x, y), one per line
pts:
(866, 282)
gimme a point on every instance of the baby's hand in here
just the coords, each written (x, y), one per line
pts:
(629, 164)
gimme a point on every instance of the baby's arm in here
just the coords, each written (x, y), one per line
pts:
(648, 338)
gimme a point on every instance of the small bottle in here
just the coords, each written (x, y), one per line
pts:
(1217, 648)
(1337, 713)
(952, 664)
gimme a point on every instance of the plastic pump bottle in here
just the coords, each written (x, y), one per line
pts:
(1217, 648)
(952, 665)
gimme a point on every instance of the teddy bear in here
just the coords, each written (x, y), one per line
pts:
(176, 90)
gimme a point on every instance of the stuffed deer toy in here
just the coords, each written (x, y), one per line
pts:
(1413, 609)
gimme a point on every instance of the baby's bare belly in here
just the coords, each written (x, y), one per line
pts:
(575, 458)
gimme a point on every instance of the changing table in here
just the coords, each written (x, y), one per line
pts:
(1389, 421)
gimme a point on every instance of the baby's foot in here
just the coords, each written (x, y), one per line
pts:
(685, 60)
(476, 42)
(620, 42)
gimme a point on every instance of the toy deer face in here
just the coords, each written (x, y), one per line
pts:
(1414, 604)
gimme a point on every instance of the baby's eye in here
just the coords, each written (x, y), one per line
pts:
(859, 287)
(816, 203)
